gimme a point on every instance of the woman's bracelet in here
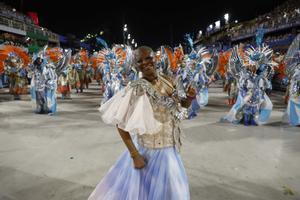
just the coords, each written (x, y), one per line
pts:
(134, 153)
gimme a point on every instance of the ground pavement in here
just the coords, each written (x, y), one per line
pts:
(63, 157)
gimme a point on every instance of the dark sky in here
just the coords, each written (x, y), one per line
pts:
(150, 22)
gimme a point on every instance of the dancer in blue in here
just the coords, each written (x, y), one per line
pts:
(37, 86)
(292, 60)
(293, 108)
(253, 106)
(44, 80)
(116, 64)
(149, 110)
(197, 66)
(50, 78)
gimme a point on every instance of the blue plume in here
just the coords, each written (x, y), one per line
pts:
(256, 56)
(259, 36)
(110, 56)
(163, 51)
(102, 42)
(189, 40)
(193, 55)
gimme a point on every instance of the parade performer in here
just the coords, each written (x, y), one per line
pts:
(116, 73)
(46, 67)
(80, 63)
(56, 56)
(50, 78)
(37, 86)
(230, 83)
(149, 110)
(253, 106)
(73, 77)
(64, 86)
(14, 62)
(292, 60)
(198, 65)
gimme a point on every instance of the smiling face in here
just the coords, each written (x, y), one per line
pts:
(145, 63)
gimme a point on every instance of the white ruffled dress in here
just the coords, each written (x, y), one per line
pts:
(164, 175)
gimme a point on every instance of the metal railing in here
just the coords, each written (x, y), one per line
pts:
(14, 23)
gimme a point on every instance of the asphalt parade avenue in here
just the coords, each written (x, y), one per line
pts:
(63, 157)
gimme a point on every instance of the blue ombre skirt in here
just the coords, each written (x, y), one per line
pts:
(163, 178)
(293, 111)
